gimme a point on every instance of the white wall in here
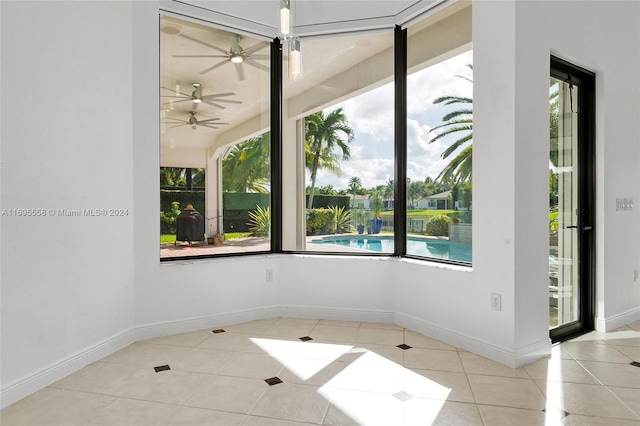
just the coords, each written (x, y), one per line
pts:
(67, 282)
(602, 37)
(80, 130)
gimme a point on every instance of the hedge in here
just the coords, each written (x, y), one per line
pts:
(325, 201)
(237, 206)
(320, 221)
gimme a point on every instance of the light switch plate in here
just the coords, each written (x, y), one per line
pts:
(624, 204)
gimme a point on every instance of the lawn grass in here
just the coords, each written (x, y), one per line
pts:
(171, 238)
(228, 235)
(167, 238)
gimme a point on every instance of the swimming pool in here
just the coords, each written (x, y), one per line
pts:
(418, 246)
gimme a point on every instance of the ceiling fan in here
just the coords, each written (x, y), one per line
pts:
(197, 97)
(194, 122)
(236, 54)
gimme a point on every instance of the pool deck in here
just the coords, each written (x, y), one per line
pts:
(250, 244)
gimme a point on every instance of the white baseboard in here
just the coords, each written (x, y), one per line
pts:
(27, 385)
(618, 320)
(56, 371)
(165, 328)
(519, 358)
(338, 314)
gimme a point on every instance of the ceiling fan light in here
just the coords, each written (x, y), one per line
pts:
(237, 59)
(197, 101)
(295, 59)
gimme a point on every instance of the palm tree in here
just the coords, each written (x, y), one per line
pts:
(172, 176)
(461, 120)
(246, 168)
(355, 184)
(325, 135)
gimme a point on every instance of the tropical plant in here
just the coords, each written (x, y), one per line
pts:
(355, 184)
(459, 121)
(260, 222)
(326, 134)
(376, 203)
(198, 178)
(246, 167)
(360, 216)
(342, 220)
(389, 190)
(172, 176)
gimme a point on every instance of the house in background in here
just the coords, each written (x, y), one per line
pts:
(80, 130)
(440, 201)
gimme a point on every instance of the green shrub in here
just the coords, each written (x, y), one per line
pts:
(438, 226)
(260, 222)
(320, 221)
(168, 219)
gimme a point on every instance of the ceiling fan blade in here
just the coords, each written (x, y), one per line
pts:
(240, 71)
(229, 101)
(256, 65)
(205, 125)
(177, 102)
(218, 95)
(179, 125)
(260, 57)
(173, 91)
(258, 46)
(176, 119)
(200, 56)
(219, 64)
(213, 104)
(210, 121)
(203, 43)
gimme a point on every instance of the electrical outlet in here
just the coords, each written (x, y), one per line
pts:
(496, 302)
(268, 275)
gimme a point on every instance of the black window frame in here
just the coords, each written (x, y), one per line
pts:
(400, 163)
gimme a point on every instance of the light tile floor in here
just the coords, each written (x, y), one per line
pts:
(351, 373)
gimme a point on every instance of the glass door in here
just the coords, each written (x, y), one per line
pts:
(570, 200)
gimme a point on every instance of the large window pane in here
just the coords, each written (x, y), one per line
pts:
(215, 152)
(439, 138)
(345, 105)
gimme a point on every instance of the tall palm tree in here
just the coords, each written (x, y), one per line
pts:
(246, 168)
(459, 121)
(355, 184)
(326, 134)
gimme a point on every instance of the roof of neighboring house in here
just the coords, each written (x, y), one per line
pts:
(441, 196)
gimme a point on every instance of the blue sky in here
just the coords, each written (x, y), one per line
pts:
(371, 117)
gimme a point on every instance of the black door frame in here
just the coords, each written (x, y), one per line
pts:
(585, 81)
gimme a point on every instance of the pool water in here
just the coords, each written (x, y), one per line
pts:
(440, 249)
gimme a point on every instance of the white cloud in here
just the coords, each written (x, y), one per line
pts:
(371, 116)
